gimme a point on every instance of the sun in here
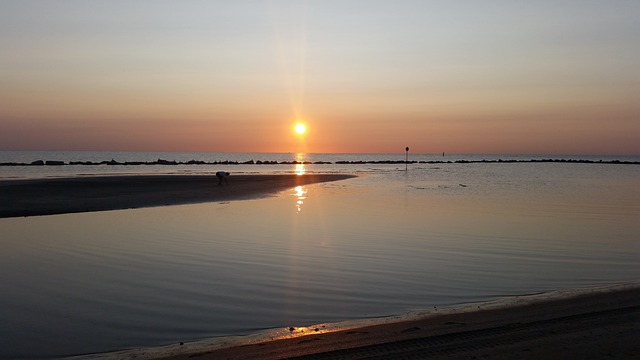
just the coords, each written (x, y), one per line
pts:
(300, 128)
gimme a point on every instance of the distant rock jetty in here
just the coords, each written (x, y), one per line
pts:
(260, 162)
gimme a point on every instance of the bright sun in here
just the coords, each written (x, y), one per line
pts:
(300, 128)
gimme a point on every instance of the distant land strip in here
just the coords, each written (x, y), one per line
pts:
(342, 162)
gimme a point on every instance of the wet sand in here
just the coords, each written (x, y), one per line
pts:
(84, 194)
(593, 323)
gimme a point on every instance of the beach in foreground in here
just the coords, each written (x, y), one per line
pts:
(591, 323)
(85, 194)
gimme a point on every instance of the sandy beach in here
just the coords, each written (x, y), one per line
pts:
(592, 323)
(84, 194)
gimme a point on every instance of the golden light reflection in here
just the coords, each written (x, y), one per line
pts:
(301, 195)
(298, 331)
(300, 168)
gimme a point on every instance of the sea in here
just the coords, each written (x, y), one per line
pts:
(441, 230)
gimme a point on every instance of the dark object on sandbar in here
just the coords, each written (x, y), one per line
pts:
(222, 176)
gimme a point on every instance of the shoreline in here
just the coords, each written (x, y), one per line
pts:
(572, 323)
(34, 197)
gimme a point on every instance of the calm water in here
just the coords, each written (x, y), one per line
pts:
(384, 243)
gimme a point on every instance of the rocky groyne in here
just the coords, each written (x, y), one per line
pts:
(113, 162)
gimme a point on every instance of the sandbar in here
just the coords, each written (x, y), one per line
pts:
(591, 323)
(31, 197)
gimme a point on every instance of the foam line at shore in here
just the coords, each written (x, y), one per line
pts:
(506, 310)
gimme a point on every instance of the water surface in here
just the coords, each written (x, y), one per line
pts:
(384, 243)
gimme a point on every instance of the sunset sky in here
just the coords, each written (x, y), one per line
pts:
(364, 76)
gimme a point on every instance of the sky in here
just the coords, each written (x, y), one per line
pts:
(491, 77)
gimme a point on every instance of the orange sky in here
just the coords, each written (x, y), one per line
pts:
(499, 77)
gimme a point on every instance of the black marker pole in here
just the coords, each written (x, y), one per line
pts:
(406, 159)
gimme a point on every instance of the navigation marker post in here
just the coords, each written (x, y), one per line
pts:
(406, 159)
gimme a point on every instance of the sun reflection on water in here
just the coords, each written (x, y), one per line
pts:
(299, 168)
(300, 194)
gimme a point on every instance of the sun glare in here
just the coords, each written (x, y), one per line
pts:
(300, 128)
